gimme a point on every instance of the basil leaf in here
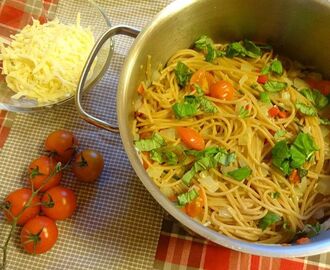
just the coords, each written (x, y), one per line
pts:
(187, 197)
(207, 45)
(243, 113)
(182, 73)
(276, 67)
(207, 105)
(225, 158)
(207, 159)
(164, 156)
(281, 156)
(305, 109)
(154, 142)
(185, 109)
(274, 86)
(240, 174)
(252, 50)
(324, 121)
(269, 219)
(318, 100)
(302, 149)
(275, 195)
(235, 49)
(302, 172)
(264, 97)
(265, 70)
(188, 176)
(278, 134)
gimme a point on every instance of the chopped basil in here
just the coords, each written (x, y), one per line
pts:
(206, 44)
(302, 172)
(318, 100)
(243, 49)
(191, 104)
(278, 134)
(324, 121)
(187, 197)
(154, 142)
(274, 86)
(306, 109)
(207, 159)
(286, 157)
(182, 73)
(164, 156)
(240, 174)
(275, 66)
(264, 97)
(243, 113)
(275, 195)
(269, 219)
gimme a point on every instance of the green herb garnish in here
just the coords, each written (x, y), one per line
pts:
(154, 142)
(274, 86)
(264, 97)
(315, 97)
(306, 109)
(182, 73)
(187, 197)
(240, 174)
(269, 219)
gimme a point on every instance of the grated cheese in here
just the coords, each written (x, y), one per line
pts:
(44, 61)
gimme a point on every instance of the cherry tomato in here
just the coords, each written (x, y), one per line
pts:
(17, 200)
(62, 145)
(40, 171)
(273, 111)
(191, 138)
(303, 240)
(222, 90)
(58, 203)
(322, 85)
(294, 177)
(39, 235)
(195, 208)
(204, 79)
(88, 165)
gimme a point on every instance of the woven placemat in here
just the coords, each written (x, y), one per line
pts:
(117, 223)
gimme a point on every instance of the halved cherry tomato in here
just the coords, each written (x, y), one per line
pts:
(262, 79)
(323, 85)
(147, 156)
(191, 138)
(303, 240)
(273, 111)
(88, 165)
(62, 145)
(39, 235)
(195, 208)
(15, 202)
(222, 90)
(294, 177)
(204, 79)
(42, 173)
(58, 203)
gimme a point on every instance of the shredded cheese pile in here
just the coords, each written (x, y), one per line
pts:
(44, 61)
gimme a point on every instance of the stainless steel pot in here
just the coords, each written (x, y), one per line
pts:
(299, 29)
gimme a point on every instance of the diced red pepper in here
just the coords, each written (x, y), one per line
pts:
(303, 240)
(273, 111)
(140, 89)
(294, 177)
(262, 79)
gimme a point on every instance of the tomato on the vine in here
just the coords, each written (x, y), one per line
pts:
(39, 235)
(62, 145)
(44, 172)
(58, 203)
(88, 165)
(16, 201)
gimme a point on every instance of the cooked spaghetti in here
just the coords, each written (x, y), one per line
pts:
(237, 137)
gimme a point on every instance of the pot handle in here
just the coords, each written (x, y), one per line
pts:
(116, 30)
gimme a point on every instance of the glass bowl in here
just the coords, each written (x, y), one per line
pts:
(15, 15)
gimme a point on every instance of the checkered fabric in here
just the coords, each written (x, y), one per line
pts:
(117, 224)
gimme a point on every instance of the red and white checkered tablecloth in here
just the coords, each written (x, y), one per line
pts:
(176, 248)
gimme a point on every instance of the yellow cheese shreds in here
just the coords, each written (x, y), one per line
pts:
(44, 61)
